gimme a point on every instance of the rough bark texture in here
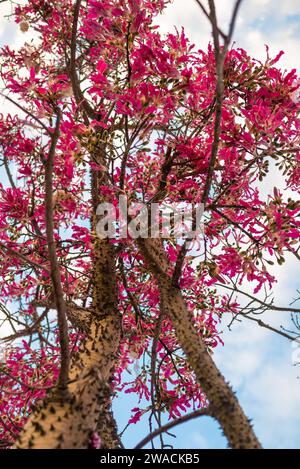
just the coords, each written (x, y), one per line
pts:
(223, 402)
(68, 420)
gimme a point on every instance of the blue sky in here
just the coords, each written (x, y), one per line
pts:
(258, 364)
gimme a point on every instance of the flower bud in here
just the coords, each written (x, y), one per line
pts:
(24, 26)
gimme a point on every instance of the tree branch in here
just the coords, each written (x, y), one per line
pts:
(79, 97)
(267, 305)
(270, 328)
(185, 418)
(30, 114)
(220, 56)
(224, 404)
(55, 270)
(220, 59)
(206, 13)
(15, 253)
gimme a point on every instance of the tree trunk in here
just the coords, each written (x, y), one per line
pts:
(223, 402)
(69, 421)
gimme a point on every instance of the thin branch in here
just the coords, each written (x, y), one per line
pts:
(30, 114)
(21, 383)
(128, 53)
(8, 172)
(206, 13)
(234, 223)
(131, 298)
(233, 21)
(185, 418)
(220, 56)
(55, 270)
(27, 331)
(161, 191)
(9, 430)
(15, 253)
(215, 31)
(80, 99)
(271, 328)
(155, 391)
(267, 305)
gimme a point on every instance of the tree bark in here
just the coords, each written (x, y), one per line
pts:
(68, 421)
(224, 404)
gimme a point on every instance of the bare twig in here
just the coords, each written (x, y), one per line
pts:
(55, 270)
(79, 97)
(15, 253)
(26, 112)
(271, 328)
(220, 55)
(185, 418)
(27, 331)
(262, 303)
(206, 13)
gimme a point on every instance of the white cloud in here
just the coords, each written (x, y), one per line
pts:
(273, 398)
(259, 365)
(259, 22)
(199, 441)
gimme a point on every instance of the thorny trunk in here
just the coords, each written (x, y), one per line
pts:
(69, 421)
(223, 402)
